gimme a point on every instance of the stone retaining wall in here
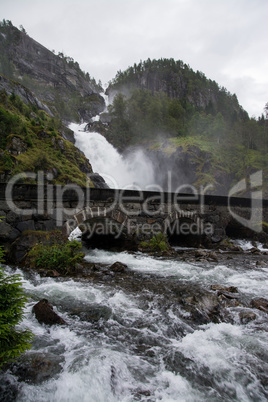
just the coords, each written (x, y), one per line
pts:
(31, 208)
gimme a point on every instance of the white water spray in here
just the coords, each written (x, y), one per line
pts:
(133, 171)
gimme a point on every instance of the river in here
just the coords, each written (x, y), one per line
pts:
(145, 344)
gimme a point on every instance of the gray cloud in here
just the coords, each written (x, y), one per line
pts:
(224, 39)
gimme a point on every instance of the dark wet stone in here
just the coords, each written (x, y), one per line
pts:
(204, 308)
(7, 232)
(254, 250)
(93, 313)
(8, 388)
(35, 367)
(260, 304)
(52, 273)
(44, 313)
(26, 225)
(140, 393)
(200, 254)
(228, 295)
(261, 263)
(212, 256)
(247, 316)
(118, 267)
(229, 289)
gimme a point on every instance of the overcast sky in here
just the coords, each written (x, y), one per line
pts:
(225, 39)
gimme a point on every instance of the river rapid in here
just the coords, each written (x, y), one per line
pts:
(149, 334)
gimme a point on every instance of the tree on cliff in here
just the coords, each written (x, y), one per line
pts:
(266, 110)
(13, 341)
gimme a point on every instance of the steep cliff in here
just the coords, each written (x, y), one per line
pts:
(56, 80)
(32, 140)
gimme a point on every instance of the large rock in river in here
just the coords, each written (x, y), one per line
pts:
(44, 313)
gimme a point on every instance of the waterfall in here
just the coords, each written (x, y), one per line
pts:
(133, 171)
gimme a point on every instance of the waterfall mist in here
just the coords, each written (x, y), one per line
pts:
(131, 171)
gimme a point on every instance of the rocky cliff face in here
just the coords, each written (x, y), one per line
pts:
(13, 87)
(189, 168)
(56, 80)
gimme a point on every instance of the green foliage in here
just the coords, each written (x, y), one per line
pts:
(61, 257)
(145, 116)
(157, 243)
(8, 123)
(13, 341)
(6, 163)
(44, 148)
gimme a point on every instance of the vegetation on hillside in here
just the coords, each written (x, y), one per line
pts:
(186, 103)
(187, 109)
(30, 141)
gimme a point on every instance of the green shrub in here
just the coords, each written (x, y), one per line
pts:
(61, 257)
(156, 243)
(13, 341)
(7, 161)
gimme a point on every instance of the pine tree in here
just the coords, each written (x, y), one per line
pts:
(13, 341)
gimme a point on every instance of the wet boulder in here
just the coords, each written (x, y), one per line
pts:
(8, 388)
(230, 292)
(201, 255)
(36, 367)
(92, 313)
(230, 289)
(204, 308)
(8, 233)
(118, 267)
(260, 304)
(246, 316)
(44, 313)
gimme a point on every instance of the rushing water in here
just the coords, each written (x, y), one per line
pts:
(145, 346)
(118, 171)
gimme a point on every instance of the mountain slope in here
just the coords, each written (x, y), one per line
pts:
(55, 79)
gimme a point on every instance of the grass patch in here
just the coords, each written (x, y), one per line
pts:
(60, 257)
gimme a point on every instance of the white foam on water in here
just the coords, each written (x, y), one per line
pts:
(253, 281)
(102, 362)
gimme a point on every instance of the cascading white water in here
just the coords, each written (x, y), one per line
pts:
(134, 171)
(148, 349)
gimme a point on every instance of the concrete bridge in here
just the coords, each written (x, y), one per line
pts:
(127, 215)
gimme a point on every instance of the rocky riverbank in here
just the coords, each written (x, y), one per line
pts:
(204, 305)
